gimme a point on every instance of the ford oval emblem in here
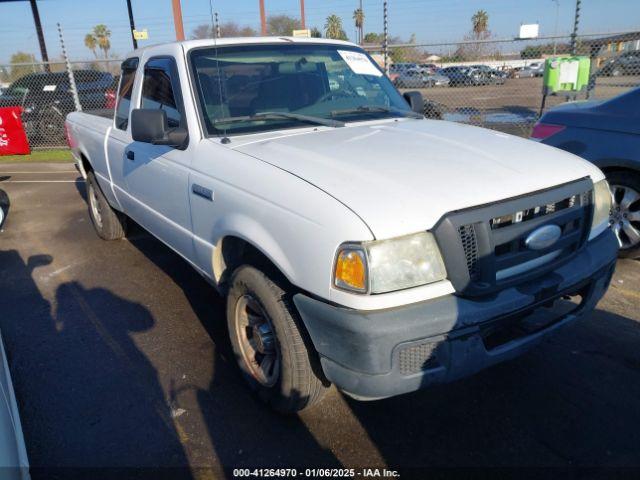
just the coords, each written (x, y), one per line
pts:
(543, 237)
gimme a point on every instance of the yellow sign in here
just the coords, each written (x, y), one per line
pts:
(141, 34)
(302, 33)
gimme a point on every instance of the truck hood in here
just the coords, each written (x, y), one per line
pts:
(402, 176)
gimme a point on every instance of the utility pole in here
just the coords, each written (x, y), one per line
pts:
(132, 25)
(177, 20)
(555, 30)
(263, 19)
(302, 22)
(574, 34)
(72, 80)
(385, 41)
(43, 46)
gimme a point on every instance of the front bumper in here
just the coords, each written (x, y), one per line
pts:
(384, 353)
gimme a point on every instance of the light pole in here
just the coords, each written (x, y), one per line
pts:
(555, 31)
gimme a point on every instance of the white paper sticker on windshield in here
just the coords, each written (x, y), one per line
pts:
(359, 63)
(49, 88)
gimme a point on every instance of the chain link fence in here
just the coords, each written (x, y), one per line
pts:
(499, 83)
(493, 83)
(44, 92)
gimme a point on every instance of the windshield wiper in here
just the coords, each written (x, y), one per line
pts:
(327, 122)
(376, 109)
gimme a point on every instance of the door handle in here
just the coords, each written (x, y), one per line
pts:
(131, 155)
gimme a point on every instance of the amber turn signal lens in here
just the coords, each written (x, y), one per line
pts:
(351, 270)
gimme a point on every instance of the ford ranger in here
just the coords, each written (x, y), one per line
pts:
(356, 242)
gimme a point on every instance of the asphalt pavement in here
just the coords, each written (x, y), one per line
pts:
(120, 359)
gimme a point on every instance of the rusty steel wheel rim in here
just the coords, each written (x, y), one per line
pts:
(256, 338)
(95, 206)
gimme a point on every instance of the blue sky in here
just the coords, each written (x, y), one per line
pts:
(430, 20)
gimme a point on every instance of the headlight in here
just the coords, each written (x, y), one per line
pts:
(389, 265)
(601, 207)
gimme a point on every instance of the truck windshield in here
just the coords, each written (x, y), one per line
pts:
(313, 83)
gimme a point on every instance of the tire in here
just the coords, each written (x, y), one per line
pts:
(293, 378)
(109, 223)
(625, 213)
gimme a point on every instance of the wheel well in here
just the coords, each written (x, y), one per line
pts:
(612, 169)
(232, 252)
(85, 163)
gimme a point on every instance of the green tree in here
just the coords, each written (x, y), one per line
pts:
(91, 43)
(282, 25)
(358, 18)
(227, 29)
(480, 21)
(374, 38)
(316, 33)
(479, 32)
(103, 38)
(333, 28)
(18, 70)
(536, 51)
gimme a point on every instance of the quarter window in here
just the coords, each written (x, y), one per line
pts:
(129, 68)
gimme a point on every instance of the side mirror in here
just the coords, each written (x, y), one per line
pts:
(149, 125)
(415, 100)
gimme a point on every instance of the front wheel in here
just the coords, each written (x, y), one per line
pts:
(270, 344)
(625, 211)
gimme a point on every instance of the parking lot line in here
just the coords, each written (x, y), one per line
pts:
(42, 172)
(44, 181)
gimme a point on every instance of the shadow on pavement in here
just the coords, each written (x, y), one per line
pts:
(243, 431)
(569, 402)
(89, 397)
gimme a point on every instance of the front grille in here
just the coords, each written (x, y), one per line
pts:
(415, 358)
(484, 248)
(470, 246)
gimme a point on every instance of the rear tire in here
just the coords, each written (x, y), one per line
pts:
(625, 189)
(270, 343)
(109, 223)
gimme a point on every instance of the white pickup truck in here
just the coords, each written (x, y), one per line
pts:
(356, 242)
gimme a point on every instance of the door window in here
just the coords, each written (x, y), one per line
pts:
(159, 89)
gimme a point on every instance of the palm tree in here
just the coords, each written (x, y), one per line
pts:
(480, 21)
(358, 17)
(103, 35)
(333, 28)
(91, 43)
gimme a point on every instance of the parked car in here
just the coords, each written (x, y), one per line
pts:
(490, 75)
(418, 79)
(47, 99)
(429, 68)
(410, 79)
(607, 133)
(383, 257)
(627, 63)
(436, 80)
(464, 76)
(537, 68)
(14, 463)
(402, 67)
(110, 94)
(523, 72)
